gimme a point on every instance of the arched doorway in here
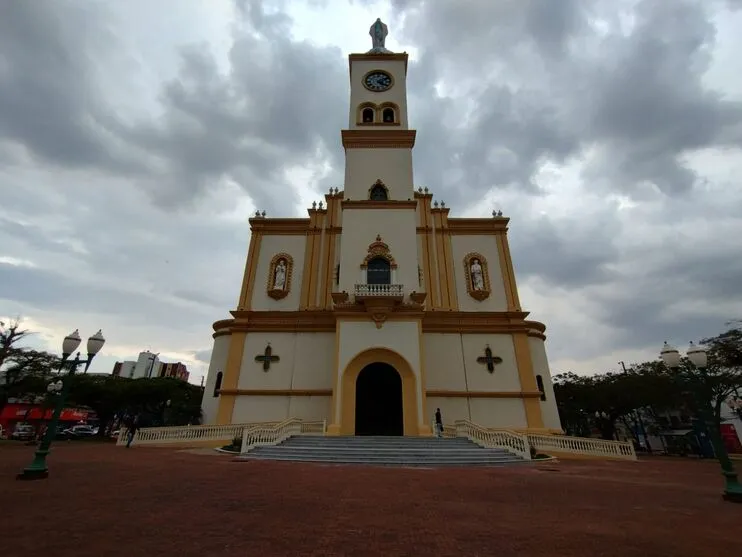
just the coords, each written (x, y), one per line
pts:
(379, 401)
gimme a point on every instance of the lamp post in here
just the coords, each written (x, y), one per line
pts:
(699, 360)
(38, 470)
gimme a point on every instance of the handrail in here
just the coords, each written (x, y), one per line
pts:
(583, 445)
(273, 435)
(491, 438)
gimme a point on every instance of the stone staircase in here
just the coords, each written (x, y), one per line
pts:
(384, 451)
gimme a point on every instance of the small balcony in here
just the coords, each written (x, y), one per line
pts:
(379, 291)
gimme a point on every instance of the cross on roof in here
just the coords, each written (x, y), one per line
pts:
(489, 359)
(267, 357)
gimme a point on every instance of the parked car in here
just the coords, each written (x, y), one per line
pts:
(23, 432)
(79, 432)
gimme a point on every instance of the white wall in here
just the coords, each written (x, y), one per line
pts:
(549, 410)
(269, 247)
(218, 363)
(392, 166)
(359, 94)
(397, 336)
(397, 229)
(306, 361)
(451, 362)
(486, 246)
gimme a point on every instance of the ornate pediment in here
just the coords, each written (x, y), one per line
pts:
(378, 248)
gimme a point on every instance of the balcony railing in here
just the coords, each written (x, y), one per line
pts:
(367, 290)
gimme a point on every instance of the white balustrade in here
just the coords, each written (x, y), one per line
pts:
(273, 435)
(378, 290)
(494, 438)
(583, 446)
(185, 434)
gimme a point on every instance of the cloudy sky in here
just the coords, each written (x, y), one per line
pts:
(137, 137)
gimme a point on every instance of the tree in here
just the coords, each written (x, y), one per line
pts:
(25, 371)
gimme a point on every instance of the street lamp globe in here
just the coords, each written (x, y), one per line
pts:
(95, 343)
(70, 343)
(697, 356)
(670, 356)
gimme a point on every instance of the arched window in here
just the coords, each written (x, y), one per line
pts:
(378, 271)
(218, 384)
(540, 385)
(367, 115)
(378, 193)
(387, 116)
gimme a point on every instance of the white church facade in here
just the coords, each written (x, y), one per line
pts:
(378, 307)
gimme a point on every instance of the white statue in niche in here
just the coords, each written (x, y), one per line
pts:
(279, 276)
(477, 279)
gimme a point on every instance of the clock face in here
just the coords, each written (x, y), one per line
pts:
(377, 81)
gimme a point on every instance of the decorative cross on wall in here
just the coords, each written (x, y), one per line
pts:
(489, 359)
(267, 357)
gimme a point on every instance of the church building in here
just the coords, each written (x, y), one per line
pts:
(378, 307)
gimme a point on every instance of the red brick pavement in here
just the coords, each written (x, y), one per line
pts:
(105, 501)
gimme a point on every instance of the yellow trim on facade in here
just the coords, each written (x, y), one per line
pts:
(280, 227)
(251, 266)
(317, 237)
(504, 274)
(276, 392)
(347, 425)
(231, 377)
(378, 138)
(334, 427)
(425, 428)
(318, 321)
(453, 297)
(484, 394)
(510, 272)
(532, 406)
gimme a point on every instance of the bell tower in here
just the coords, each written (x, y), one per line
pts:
(379, 205)
(378, 142)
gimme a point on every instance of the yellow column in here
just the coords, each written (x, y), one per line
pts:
(231, 377)
(251, 267)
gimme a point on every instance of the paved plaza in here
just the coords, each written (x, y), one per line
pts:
(104, 500)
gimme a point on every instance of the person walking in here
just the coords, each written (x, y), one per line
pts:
(438, 423)
(131, 430)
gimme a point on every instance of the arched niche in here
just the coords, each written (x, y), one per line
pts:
(388, 113)
(367, 114)
(280, 272)
(477, 276)
(378, 191)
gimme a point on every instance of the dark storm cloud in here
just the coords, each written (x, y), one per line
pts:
(637, 96)
(274, 109)
(524, 83)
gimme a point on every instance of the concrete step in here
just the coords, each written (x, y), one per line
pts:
(403, 453)
(384, 451)
(413, 462)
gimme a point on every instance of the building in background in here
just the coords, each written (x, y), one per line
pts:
(146, 365)
(177, 370)
(149, 365)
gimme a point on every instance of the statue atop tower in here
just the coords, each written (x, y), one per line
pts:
(378, 32)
